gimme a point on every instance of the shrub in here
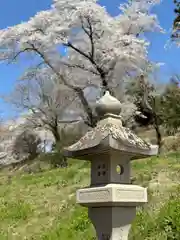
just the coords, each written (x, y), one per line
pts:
(55, 159)
(171, 143)
(26, 145)
(161, 224)
(169, 219)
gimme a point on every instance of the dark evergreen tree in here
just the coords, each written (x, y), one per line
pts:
(176, 23)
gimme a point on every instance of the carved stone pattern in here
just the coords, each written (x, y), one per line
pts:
(94, 196)
(125, 194)
(95, 136)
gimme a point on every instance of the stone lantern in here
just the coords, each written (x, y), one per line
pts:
(111, 198)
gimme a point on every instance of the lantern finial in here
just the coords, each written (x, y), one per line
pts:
(108, 105)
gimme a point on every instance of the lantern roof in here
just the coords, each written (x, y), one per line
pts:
(109, 134)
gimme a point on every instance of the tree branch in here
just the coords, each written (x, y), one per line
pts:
(89, 34)
(19, 53)
(80, 67)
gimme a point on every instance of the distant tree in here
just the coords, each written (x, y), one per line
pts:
(148, 104)
(46, 102)
(171, 106)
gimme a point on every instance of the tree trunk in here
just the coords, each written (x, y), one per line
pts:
(54, 127)
(62, 162)
(56, 135)
(158, 133)
(105, 85)
(91, 118)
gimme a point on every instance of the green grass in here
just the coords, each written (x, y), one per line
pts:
(42, 205)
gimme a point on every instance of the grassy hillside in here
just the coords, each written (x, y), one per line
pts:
(42, 205)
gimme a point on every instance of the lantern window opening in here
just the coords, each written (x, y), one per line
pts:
(119, 169)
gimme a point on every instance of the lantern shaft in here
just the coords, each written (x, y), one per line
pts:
(112, 223)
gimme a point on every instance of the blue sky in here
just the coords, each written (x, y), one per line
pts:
(15, 11)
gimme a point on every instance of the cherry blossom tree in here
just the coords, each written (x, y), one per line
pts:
(100, 50)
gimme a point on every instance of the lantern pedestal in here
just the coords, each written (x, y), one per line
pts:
(112, 208)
